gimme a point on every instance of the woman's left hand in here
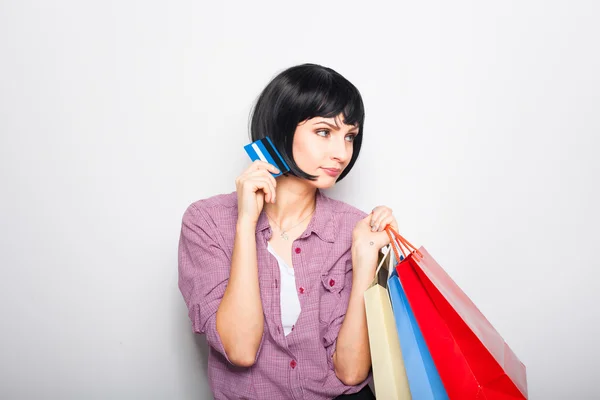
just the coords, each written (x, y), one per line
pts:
(368, 235)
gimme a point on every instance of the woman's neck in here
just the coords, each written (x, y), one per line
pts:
(294, 201)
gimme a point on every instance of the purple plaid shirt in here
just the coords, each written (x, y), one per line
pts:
(296, 366)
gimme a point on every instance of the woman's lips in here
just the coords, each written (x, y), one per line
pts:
(332, 172)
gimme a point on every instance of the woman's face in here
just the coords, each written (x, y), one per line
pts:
(323, 147)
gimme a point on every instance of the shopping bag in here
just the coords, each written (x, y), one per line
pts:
(389, 375)
(423, 379)
(472, 359)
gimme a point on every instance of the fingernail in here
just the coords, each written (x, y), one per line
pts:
(373, 228)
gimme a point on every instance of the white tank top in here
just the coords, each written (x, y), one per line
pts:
(290, 304)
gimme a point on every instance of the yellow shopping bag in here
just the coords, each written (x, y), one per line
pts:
(389, 374)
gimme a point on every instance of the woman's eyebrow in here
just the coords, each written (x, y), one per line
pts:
(336, 127)
(327, 123)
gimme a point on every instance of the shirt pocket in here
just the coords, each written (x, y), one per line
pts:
(331, 298)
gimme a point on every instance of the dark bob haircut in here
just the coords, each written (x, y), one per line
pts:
(300, 93)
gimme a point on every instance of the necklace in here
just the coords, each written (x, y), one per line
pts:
(283, 233)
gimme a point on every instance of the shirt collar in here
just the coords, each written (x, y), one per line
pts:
(321, 223)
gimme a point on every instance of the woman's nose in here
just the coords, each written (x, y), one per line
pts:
(340, 150)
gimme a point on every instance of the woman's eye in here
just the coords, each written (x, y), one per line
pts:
(325, 133)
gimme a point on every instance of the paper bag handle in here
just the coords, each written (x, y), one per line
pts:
(381, 263)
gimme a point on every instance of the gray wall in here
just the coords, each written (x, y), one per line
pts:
(482, 134)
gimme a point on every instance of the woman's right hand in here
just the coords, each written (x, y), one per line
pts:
(255, 186)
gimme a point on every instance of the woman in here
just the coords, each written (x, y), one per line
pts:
(274, 273)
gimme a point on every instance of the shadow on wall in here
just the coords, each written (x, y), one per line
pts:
(192, 354)
(201, 349)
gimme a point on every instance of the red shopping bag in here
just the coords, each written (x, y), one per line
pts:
(473, 360)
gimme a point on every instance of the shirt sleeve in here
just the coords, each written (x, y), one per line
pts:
(332, 332)
(203, 275)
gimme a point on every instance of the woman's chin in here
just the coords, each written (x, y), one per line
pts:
(325, 182)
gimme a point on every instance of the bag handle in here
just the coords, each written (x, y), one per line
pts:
(398, 241)
(381, 263)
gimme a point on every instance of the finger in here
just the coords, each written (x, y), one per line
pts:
(388, 219)
(271, 189)
(258, 165)
(380, 209)
(378, 222)
(373, 216)
(373, 221)
(257, 183)
(377, 216)
(262, 174)
(268, 188)
(271, 178)
(263, 171)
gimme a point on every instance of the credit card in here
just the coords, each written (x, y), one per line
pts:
(264, 150)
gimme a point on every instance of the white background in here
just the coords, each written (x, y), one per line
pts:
(481, 133)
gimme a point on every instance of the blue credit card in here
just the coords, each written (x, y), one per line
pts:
(264, 150)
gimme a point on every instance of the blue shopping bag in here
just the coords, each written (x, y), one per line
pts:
(423, 378)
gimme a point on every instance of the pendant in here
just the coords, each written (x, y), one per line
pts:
(284, 236)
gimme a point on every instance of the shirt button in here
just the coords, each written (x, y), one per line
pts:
(331, 282)
(293, 364)
(298, 250)
(301, 290)
(293, 327)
